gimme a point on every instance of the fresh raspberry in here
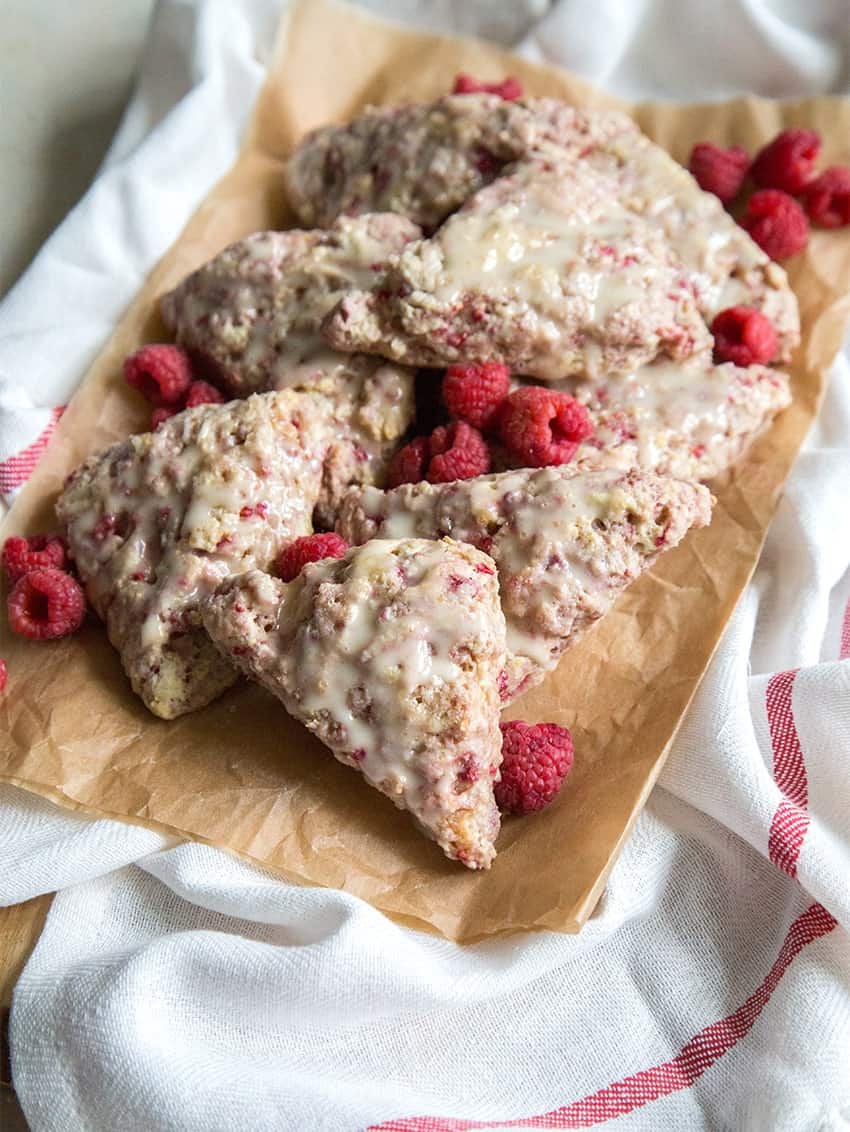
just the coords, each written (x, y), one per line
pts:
(38, 552)
(202, 393)
(4, 675)
(474, 393)
(458, 452)
(160, 373)
(536, 758)
(743, 335)
(409, 463)
(788, 162)
(543, 426)
(163, 413)
(719, 171)
(510, 89)
(310, 548)
(777, 223)
(45, 604)
(827, 198)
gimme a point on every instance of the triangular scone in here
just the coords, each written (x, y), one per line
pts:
(426, 159)
(565, 543)
(543, 270)
(724, 265)
(158, 521)
(688, 419)
(391, 656)
(252, 313)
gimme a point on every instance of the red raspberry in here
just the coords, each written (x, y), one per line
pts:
(408, 464)
(776, 223)
(474, 393)
(788, 162)
(310, 548)
(543, 426)
(743, 335)
(160, 373)
(536, 758)
(509, 89)
(45, 604)
(163, 413)
(719, 171)
(202, 393)
(458, 452)
(827, 198)
(4, 675)
(38, 552)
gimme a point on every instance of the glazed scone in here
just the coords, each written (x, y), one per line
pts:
(565, 543)
(690, 419)
(423, 161)
(542, 270)
(156, 522)
(725, 266)
(391, 656)
(252, 314)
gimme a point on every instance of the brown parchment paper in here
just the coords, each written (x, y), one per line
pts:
(241, 774)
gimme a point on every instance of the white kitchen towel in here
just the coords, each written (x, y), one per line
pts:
(177, 988)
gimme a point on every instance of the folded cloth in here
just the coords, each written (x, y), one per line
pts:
(177, 988)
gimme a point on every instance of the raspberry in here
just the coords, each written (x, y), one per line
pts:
(4, 675)
(777, 223)
(38, 552)
(509, 89)
(543, 426)
(310, 548)
(743, 335)
(827, 198)
(458, 452)
(45, 604)
(474, 393)
(536, 758)
(788, 162)
(162, 414)
(202, 393)
(719, 171)
(408, 464)
(160, 373)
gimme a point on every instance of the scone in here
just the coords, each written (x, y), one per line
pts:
(391, 656)
(544, 271)
(565, 543)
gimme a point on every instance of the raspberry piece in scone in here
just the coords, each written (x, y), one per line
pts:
(788, 162)
(719, 171)
(536, 758)
(474, 393)
(391, 657)
(309, 548)
(545, 271)
(744, 336)
(827, 198)
(508, 89)
(161, 373)
(158, 521)
(4, 675)
(541, 427)
(457, 452)
(36, 552)
(777, 223)
(162, 413)
(565, 543)
(45, 604)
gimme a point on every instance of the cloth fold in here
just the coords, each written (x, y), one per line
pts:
(175, 987)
